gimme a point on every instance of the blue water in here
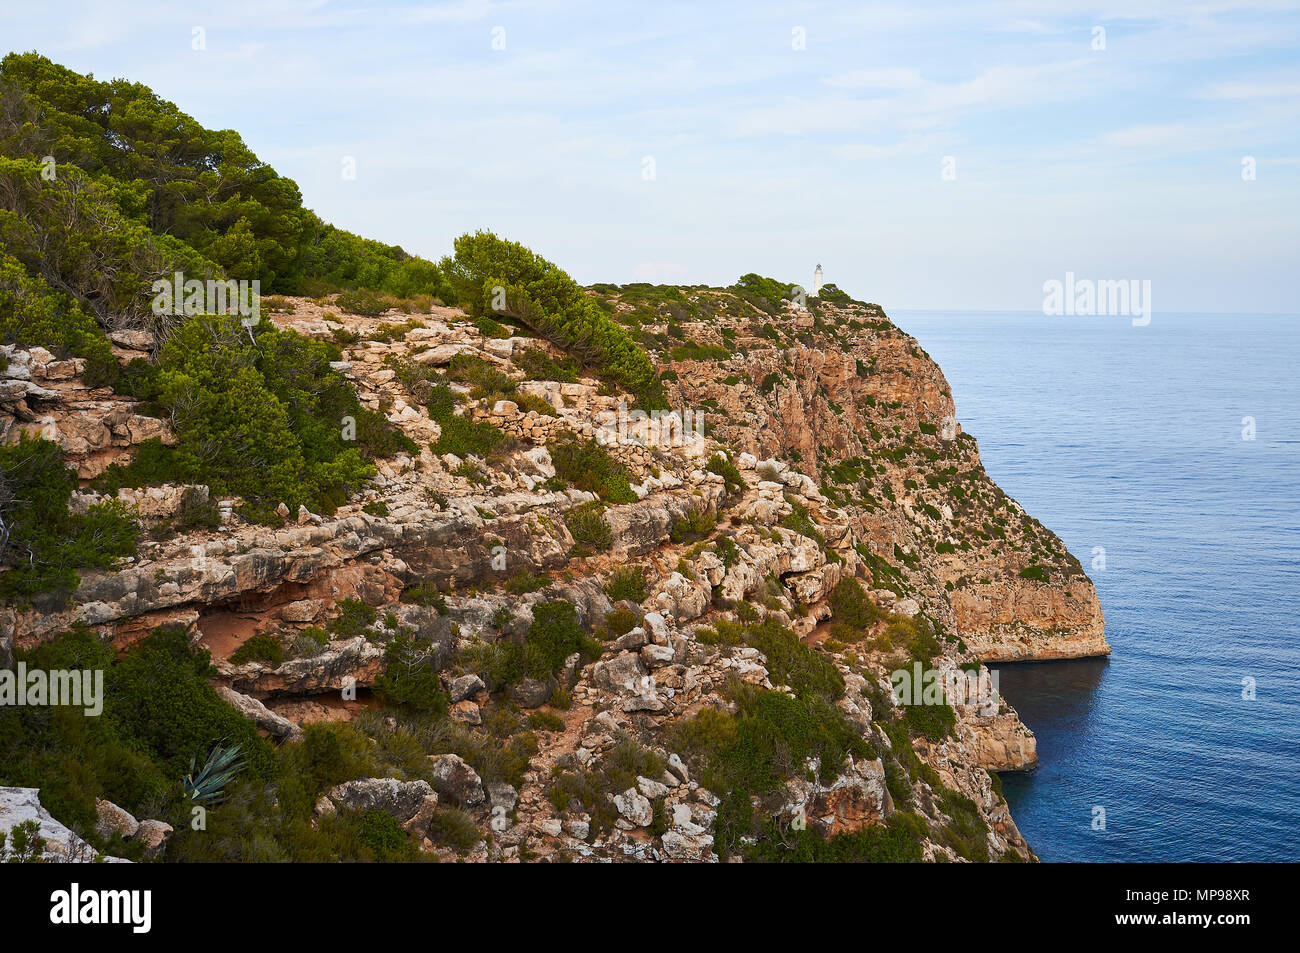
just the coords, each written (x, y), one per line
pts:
(1130, 438)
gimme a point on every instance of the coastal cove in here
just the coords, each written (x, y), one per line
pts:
(1128, 442)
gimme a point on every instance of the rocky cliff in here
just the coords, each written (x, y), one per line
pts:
(829, 453)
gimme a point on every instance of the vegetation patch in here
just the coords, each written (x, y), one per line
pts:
(588, 466)
(42, 542)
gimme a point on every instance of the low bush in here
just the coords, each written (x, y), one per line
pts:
(588, 466)
(724, 468)
(463, 437)
(43, 543)
(591, 534)
(1035, 572)
(260, 648)
(694, 526)
(627, 582)
(354, 618)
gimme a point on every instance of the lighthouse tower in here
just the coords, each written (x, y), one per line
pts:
(817, 280)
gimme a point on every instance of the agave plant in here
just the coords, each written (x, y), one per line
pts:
(207, 786)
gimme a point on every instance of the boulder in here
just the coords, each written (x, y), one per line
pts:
(466, 712)
(464, 687)
(456, 780)
(503, 796)
(696, 848)
(153, 835)
(620, 673)
(111, 819)
(635, 807)
(532, 692)
(401, 799)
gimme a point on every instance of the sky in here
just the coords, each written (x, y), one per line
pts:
(927, 155)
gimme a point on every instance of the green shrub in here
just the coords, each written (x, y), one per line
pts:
(934, 722)
(524, 581)
(801, 522)
(545, 721)
(259, 648)
(410, 676)
(588, 466)
(268, 420)
(897, 841)
(196, 512)
(44, 543)
(462, 437)
(695, 525)
(724, 468)
(160, 694)
(452, 827)
(383, 835)
(1035, 572)
(531, 402)
(426, 594)
(159, 712)
(555, 634)
(363, 301)
(966, 832)
(754, 752)
(483, 376)
(790, 662)
(316, 634)
(851, 605)
(387, 333)
(539, 366)
(591, 534)
(620, 622)
(489, 328)
(693, 351)
(627, 582)
(354, 618)
(544, 298)
(32, 313)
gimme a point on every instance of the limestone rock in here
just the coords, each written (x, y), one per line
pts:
(19, 805)
(456, 780)
(111, 819)
(635, 807)
(401, 799)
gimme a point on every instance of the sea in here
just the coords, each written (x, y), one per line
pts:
(1167, 457)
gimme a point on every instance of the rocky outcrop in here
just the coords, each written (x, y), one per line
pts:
(872, 420)
(273, 724)
(52, 842)
(456, 780)
(999, 742)
(847, 465)
(43, 396)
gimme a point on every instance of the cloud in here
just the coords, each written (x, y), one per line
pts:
(907, 146)
(1247, 89)
(876, 78)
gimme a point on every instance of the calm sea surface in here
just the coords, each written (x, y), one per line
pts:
(1131, 439)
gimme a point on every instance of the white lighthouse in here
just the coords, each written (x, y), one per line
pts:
(817, 280)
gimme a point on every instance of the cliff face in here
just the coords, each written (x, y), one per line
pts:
(847, 465)
(870, 417)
